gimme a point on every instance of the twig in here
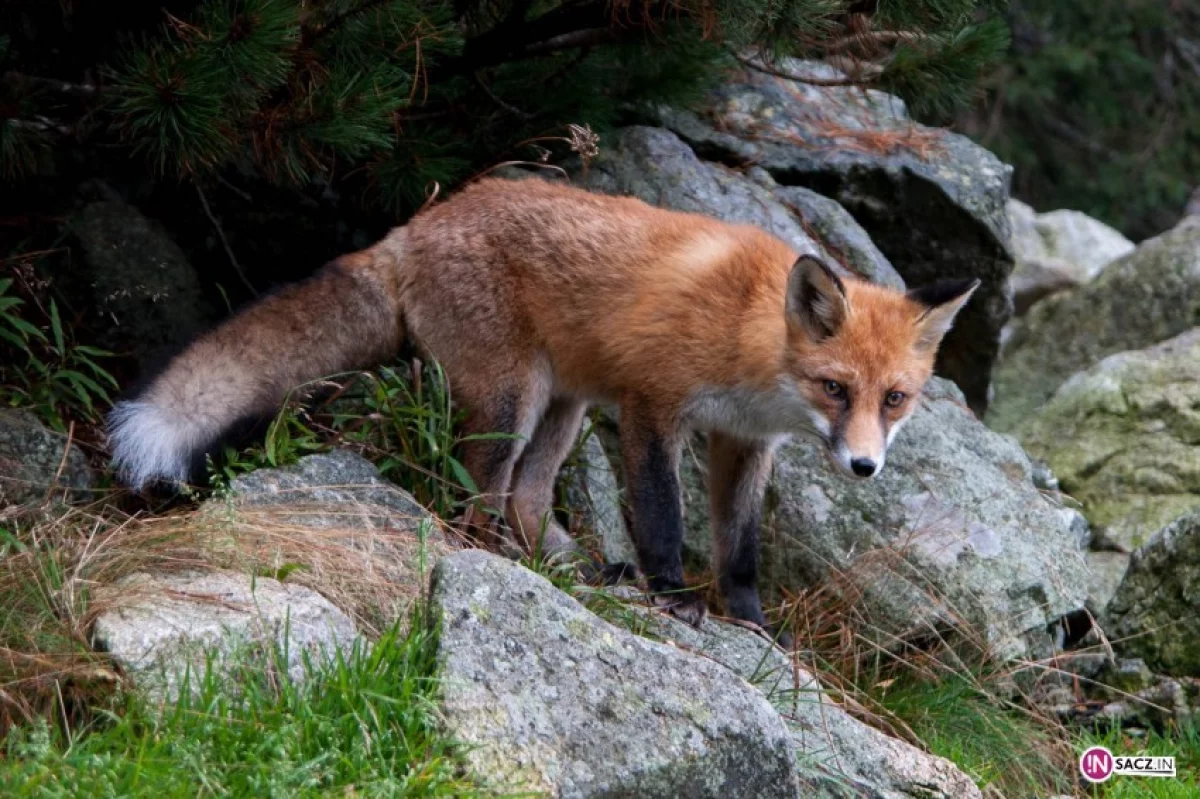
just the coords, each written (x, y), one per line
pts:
(566, 41)
(778, 73)
(62, 462)
(245, 195)
(40, 124)
(335, 21)
(494, 167)
(225, 242)
(62, 87)
(873, 37)
(512, 109)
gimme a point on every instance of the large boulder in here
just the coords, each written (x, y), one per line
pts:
(549, 699)
(37, 463)
(953, 532)
(1121, 437)
(1141, 299)
(1153, 613)
(1058, 250)
(933, 201)
(145, 294)
(168, 628)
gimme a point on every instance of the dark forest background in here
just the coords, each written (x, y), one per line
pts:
(268, 136)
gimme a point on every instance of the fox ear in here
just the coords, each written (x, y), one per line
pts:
(942, 300)
(816, 298)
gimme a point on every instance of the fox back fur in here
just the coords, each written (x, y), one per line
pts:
(538, 299)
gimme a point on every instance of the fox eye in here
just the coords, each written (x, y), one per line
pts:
(835, 389)
(894, 400)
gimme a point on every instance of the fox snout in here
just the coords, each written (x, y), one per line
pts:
(862, 462)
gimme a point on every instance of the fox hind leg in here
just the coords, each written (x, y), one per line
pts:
(504, 414)
(531, 501)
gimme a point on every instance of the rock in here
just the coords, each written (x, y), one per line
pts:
(334, 513)
(1107, 569)
(654, 165)
(1087, 244)
(161, 627)
(548, 698)
(1153, 615)
(594, 498)
(953, 530)
(146, 294)
(32, 463)
(1146, 297)
(338, 478)
(1058, 250)
(1121, 437)
(837, 754)
(931, 200)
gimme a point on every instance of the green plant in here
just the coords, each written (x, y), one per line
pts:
(52, 375)
(362, 724)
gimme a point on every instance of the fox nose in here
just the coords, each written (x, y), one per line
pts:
(863, 467)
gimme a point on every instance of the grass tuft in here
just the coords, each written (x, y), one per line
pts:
(363, 724)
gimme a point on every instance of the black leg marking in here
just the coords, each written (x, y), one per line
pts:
(651, 461)
(738, 473)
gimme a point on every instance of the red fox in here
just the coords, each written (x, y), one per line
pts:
(538, 299)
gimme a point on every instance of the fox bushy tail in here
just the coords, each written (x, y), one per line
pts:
(346, 316)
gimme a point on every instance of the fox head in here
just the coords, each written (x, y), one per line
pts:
(860, 354)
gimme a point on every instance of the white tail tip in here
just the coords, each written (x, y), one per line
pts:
(151, 443)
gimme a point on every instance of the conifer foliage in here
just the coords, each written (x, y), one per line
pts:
(401, 94)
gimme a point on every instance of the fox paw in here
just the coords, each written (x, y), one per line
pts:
(688, 607)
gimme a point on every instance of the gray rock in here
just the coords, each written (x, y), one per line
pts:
(594, 499)
(654, 165)
(931, 200)
(1106, 569)
(146, 294)
(840, 237)
(1087, 244)
(550, 699)
(1144, 298)
(1121, 436)
(952, 531)
(1058, 250)
(31, 456)
(341, 494)
(1153, 615)
(163, 628)
(336, 478)
(837, 755)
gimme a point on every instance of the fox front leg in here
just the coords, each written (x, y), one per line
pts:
(650, 447)
(738, 472)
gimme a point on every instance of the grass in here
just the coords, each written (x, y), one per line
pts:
(361, 725)
(997, 743)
